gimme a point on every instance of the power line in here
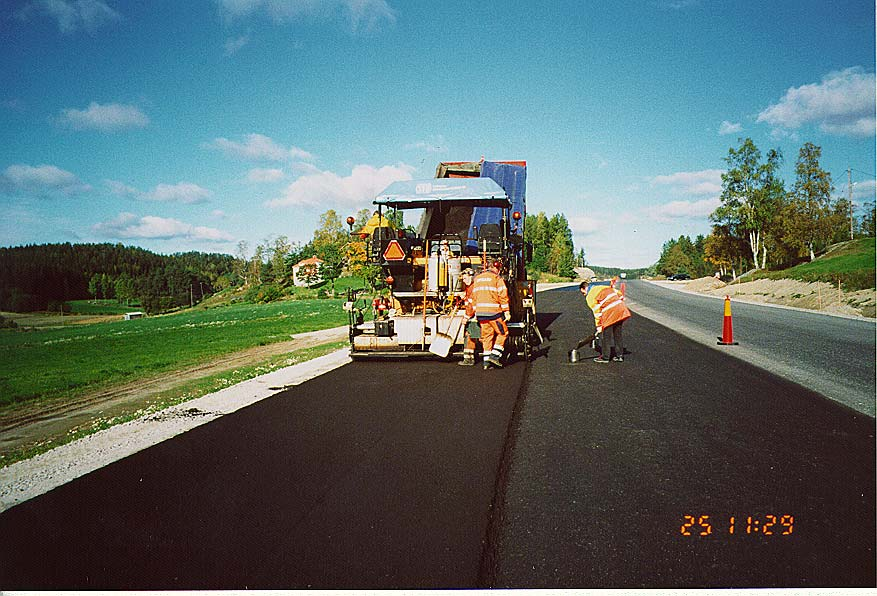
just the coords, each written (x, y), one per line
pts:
(864, 173)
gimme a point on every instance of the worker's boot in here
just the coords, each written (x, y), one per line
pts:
(492, 360)
(468, 360)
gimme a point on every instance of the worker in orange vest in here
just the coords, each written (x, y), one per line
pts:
(491, 298)
(610, 312)
(467, 277)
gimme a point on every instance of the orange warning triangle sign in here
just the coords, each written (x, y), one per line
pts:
(394, 251)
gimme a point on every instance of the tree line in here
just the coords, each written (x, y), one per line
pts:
(44, 277)
(761, 224)
(267, 268)
(553, 248)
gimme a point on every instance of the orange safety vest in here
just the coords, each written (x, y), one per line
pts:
(490, 295)
(468, 302)
(608, 306)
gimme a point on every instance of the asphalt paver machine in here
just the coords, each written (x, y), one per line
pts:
(471, 214)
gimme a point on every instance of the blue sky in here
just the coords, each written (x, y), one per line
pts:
(195, 125)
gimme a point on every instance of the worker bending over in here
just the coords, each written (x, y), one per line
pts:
(610, 312)
(491, 298)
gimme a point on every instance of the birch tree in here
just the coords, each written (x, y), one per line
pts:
(751, 195)
(810, 222)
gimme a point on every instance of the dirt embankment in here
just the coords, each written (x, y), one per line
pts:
(819, 296)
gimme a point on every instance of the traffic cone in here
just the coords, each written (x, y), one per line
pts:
(727, 338)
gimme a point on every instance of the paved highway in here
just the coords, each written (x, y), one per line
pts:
(428, 475)
(832, 355)
(609, 459)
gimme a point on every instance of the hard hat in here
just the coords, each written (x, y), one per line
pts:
(468, 271)
(496, 264)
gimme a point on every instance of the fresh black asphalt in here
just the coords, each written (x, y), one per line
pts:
(609, 458)
(428, 475)
(376, 475)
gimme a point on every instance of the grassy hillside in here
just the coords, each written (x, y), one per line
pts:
(851, 263)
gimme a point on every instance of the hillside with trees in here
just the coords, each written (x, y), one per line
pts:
(763, 225)
(44, 277)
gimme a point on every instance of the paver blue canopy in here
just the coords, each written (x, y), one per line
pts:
(412, 194)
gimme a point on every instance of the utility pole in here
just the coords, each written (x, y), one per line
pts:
(850, 195)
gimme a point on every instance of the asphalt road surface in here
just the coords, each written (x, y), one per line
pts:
(430, 475)
(375, 475)
(832, 355)
(609, 459)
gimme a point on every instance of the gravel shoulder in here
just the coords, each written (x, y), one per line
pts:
(33, 423)
(30, 478)
(812, 296)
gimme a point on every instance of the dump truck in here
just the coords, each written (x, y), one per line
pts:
(469, 215)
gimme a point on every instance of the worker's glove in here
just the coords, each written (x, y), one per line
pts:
(507, 316)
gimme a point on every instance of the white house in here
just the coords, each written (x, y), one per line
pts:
(307, 272)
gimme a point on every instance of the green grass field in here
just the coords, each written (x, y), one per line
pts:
(852, 263)
(57, 362)
(100, 307)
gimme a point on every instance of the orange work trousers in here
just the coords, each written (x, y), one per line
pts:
(493, 332)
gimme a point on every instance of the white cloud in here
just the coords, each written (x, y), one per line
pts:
(233, 44)
(330, 189)
(265, 175)
(703, 182)
(729, 128)
(258, 147)
(864, 190)
(359, 15)
(182, 192)
(106, 118)
(71, 16)
(129, 226)
(367, 15)
(41, 180)
(683, 210)
(676, 4)
(585, 225)
(842, 103)
(436, 146)
(120, 189)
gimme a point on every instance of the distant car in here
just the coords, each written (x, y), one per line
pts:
(679, 277)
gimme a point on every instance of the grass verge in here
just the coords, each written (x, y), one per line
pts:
(57, 363)
(182, 393)
(100, 307)
(849, 263)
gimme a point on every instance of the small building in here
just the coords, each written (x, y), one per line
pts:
(133, 315)
(307, 272)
